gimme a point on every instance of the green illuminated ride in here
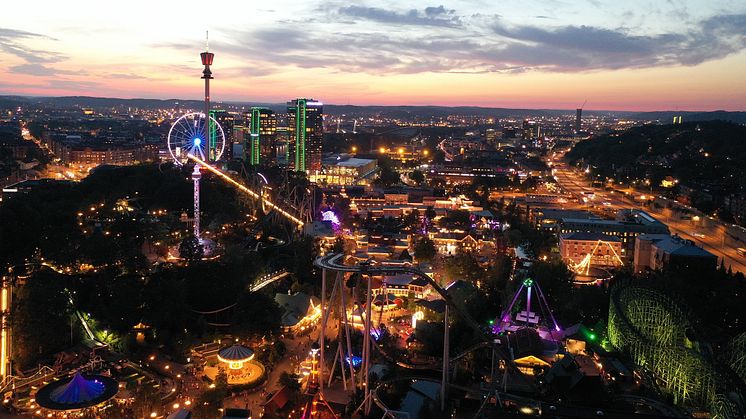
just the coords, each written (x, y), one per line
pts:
(652, 328)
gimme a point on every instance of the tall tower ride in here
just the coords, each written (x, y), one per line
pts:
(305, 118)
(207, 58)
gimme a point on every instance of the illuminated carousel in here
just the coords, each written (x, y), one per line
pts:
(240, 365)
(78, 393)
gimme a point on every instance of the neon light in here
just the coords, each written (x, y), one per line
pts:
(4, 342)
(255, 129)
(300, 136)
(197, 142)
(330, 216)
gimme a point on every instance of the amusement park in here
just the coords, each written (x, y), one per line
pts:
(244, 275)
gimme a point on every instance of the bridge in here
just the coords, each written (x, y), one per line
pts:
(267, 279)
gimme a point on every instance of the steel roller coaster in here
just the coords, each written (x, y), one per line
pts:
(332, 263)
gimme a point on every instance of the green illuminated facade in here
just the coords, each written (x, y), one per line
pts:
(650, 327)
(305, 119)
(260, 143)
(226, 120)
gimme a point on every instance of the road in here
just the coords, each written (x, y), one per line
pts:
(54, 169)
(705, 231)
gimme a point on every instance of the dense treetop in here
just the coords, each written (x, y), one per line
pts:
(708, 154)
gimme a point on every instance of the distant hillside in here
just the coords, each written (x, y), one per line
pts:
(667, 116)
(353, 110)
(707, 155)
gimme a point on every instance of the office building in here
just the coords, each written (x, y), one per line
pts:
(345, 170)
(226, 121)
(628, 225)
(655, 251)
(260, 143)
(306, 124)
(490, 135)
(578, 118)
(528, 129)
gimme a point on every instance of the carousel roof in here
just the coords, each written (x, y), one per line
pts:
(236, 353)
(77, 393)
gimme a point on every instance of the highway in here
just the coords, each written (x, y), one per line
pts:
(705, 231)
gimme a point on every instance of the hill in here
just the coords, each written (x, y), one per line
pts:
(706, 156)
(402, 111)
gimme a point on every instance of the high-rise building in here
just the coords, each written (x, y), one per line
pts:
(226, 120)
(306, 124)
(490, 136)
(529, 132)
(578, 117)
(260, 147)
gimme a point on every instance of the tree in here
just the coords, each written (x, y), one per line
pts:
(417, 176)
(257, 313)
(289, 380)
(424, 249)
(412, 220)
(388, 174)
(339, 245)
(191, 249)
(457, 218)
(464, 266)
(38, 336)
(430, 213)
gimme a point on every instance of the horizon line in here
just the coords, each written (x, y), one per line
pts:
(373, 105)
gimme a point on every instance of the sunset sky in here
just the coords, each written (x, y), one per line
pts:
(619, 55)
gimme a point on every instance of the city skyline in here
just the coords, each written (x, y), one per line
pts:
(544, 54)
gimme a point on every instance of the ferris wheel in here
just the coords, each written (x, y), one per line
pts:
(189, 136)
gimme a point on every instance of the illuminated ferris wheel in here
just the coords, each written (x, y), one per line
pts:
(200, 136)
(188, 135)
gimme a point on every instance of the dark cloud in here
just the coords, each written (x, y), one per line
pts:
(430, 16)
(578, 48)
(35, 69)
(483, 44)
(12, 41)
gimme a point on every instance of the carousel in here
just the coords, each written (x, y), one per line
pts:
(77, 393)
(239, 364)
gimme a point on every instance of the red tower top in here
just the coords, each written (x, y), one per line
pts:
(207, 58)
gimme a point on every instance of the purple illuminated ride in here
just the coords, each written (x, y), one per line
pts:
(544, 322)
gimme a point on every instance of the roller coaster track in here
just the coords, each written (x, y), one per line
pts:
(256, 195)
(331, 262)
(653, 328)
(398, 414)
(437, 366)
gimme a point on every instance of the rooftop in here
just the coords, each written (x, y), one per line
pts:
(676, 245)
(581, 235)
